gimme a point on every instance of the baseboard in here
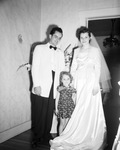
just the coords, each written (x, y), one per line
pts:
(5, 135)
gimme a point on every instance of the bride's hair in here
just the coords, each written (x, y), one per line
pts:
(82, 29)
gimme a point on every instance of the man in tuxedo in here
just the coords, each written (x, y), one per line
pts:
(48, 61)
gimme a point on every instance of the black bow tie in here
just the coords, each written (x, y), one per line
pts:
(53, 47)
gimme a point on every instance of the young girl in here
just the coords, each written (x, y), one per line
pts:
(65, 101)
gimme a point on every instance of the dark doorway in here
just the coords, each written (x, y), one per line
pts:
(101, 29)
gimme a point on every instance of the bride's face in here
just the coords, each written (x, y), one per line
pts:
(84, 39)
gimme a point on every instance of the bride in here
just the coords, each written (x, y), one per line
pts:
(86, 130)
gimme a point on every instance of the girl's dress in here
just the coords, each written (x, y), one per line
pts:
(65, 104)
(86, 129)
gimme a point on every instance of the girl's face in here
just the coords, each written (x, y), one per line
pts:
(84, 39)
(66, 80)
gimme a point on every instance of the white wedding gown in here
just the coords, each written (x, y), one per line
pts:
(86, 128)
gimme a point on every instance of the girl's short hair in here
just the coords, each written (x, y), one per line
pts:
(65, 73)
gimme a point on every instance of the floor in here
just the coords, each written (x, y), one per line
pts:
(21, 142)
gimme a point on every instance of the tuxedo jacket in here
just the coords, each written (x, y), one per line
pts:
(42, 66)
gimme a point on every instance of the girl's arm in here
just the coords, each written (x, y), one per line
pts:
(74, 96)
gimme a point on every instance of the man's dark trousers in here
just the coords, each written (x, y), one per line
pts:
(42, 114)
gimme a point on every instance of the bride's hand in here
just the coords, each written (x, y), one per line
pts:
(96, 89)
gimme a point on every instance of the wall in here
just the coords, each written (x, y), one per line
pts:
(17, 18)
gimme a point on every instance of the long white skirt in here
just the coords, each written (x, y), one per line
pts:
(86, 130)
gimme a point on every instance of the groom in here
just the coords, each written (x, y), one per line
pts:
(48, 61)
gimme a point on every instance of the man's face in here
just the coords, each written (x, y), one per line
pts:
(55, 38)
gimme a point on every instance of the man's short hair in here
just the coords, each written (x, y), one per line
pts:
(58, 29)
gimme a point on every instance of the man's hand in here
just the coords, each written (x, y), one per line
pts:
(37, 90)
